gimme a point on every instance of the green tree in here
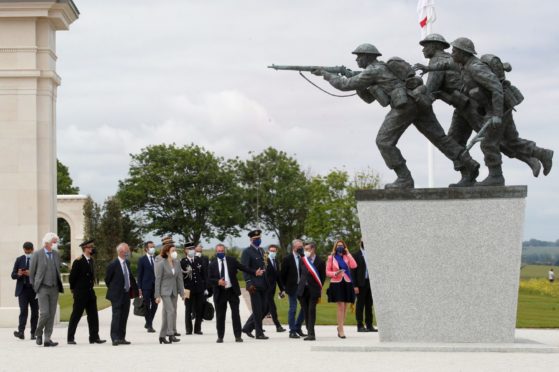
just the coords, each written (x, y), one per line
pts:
(109, 233)
(333, 209)
(186, 191)
(275, 194)
(64, 186)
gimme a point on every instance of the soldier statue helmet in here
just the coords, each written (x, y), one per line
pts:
(464, 44)
(367, 49)
(435, 38)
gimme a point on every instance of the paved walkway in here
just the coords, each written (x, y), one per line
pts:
(279, 353)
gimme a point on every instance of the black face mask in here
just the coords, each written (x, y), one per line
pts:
(93, 251)
(300, 251)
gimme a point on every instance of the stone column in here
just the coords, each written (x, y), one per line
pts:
(444, 264)
(28, 84)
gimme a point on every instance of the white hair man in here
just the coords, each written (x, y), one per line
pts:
(44, 273)
(121, 286)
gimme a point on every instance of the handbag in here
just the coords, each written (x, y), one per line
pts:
(208, 311)
(139, 307)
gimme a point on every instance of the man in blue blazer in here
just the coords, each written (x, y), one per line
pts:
(25, 293)
(146, 283)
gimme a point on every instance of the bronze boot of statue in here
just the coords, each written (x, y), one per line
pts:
(404, 180)
(469, 173)
(495, 177)
(546, 157)
(533, 163)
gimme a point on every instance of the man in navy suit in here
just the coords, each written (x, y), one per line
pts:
(121, 286)
(25, 293)
(223, 278)
(146, 283)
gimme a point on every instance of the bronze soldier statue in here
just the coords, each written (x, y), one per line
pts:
(448, 86)
(394, 83)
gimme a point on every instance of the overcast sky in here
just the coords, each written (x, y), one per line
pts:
(138, 72)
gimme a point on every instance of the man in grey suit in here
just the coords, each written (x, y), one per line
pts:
(44, 273)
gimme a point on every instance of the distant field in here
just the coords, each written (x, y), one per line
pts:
(537, 271)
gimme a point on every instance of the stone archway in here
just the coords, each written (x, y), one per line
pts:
(70, 208)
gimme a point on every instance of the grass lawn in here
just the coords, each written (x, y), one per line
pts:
(537, 271)
(66, 301)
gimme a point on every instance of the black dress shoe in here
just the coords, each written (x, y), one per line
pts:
(188, 333)
(372, 329)
(176, 334)
(309, 338)
(33, 336)
(293, 335)
(39, 340)
(163, 340)
(249, 334)
(238, 339)
(124, 342)
(72, 342)
(50, 343)
(19, 335)
(151, 330)
(198, 333)
(98, 341)
(174, 339)
(262, 337)
(300, 333)
(280, 329)
(116, 342)
(219, 341)
(362, 329)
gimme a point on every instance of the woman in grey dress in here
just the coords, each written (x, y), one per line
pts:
(168, 286)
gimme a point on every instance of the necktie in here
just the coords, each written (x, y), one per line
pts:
(126, 277)
(222, 269)
(27, 263)
(151, 260)
(273, 264)
(49, 254)
(298, 262)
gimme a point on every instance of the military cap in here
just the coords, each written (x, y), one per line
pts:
(189, 245)
(464, 44)
(27, 245)
(367, 49)
(87, 242)
(435, 38)
(255, 233)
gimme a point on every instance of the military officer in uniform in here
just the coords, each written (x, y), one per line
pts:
(447, 85)
(408, 106)
(253, 258)
(194, 277)
(82, 281)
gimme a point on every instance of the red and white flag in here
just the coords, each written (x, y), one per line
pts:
(427, 15)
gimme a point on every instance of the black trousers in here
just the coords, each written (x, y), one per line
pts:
(194, 304)
(89, 304)
(151, 307)
(271, 305)
(227, 296)
(258, 302)
(27, 300)
(308, 305)
(364, 303)
(121, 309)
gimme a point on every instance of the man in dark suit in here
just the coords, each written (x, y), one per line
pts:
(146, 283)
(309, 289)
(25, 293)
(274, 280)
(82, 281)
(362, 288)
(121, 286)
(194, 278)
(44, 272)
(253, 258)
(289, 277)
(223, 278)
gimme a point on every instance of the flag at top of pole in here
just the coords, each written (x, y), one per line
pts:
(427, 15)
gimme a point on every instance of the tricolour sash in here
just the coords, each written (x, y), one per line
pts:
(313, 271)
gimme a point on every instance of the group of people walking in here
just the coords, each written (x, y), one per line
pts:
(162, 279)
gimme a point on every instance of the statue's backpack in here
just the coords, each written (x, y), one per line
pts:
(512, 95)
(414, 84)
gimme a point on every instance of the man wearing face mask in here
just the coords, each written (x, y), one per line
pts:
(290, 276)
(309, 289)
(253, 258)
(44, 273)
(194, 277)
(25, 293)
(273, 277)
(82, 281)
(146, 283)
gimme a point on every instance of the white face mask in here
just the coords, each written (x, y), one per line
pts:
(28, 255)
(54, 246)
(191, 253)
(308, 254)
(174, 255)
(272, 255)
(151, 251)
(198, 254)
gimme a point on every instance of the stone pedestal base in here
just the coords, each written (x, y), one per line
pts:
(444, 264)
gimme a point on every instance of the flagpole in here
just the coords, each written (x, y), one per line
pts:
(430, 152)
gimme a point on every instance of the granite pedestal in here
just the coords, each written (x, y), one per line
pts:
(444, 263)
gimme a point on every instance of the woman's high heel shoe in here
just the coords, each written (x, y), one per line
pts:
(339, 335)
(163, 340)
(174, 339)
